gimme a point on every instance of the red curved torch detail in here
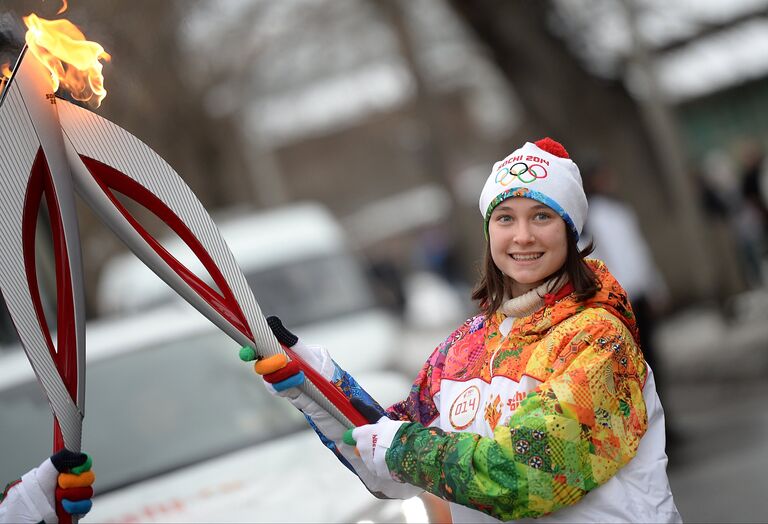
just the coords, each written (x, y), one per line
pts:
(224, 303)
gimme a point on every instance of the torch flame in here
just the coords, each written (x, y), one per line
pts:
(62, 8)
(5, 74)
(72, 60)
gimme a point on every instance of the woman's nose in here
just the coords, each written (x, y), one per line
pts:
(522, 234)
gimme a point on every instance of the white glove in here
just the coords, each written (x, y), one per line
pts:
(318, 358)
(32, 500)
(331, 431)
(372, 442)
(65, 477)
(334, 430)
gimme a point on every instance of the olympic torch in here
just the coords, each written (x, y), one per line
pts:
(51, 148)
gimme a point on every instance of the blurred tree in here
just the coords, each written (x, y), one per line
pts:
(668, 144)
(424, 103)
(456, 246)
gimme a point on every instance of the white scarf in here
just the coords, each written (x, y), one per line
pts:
(532, 300)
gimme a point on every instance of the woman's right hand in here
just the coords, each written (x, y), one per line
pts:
(282, 378)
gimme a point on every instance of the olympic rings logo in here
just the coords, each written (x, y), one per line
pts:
(522, 171)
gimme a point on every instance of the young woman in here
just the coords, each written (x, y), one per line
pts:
(540, 406)
(64, 480)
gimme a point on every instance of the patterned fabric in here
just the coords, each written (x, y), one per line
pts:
(534, 195)
(351, 389)
(546, 447)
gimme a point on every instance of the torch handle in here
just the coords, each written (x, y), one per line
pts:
(58, 445)
(329, 391)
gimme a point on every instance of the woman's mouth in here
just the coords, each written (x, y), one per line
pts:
(525, 257)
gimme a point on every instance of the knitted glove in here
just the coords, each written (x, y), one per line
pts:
(62, 481)
(75, 481)
(284, 382)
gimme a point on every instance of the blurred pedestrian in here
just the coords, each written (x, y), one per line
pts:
(62, 481)
(754, 215)
(387, 282)
(542, 405)
(732, 231)
(438, 254)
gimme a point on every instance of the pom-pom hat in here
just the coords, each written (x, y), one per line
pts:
(541, 171)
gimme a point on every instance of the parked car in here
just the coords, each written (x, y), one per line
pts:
(182, 431)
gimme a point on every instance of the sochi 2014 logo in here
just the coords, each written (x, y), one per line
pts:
(524, 172)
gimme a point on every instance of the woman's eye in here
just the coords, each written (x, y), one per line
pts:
(542, 216)
(504, 218)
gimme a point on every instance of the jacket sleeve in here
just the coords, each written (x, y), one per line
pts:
(420, 405)
(568, 436)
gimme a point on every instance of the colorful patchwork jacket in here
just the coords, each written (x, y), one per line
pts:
(554, 414)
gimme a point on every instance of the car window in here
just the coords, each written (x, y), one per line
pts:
(152, 411)
(25, 430)
(312, 290)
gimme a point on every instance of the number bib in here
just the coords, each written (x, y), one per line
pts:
(479, 407)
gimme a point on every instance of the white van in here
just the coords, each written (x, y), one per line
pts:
(182, 431)
(300, 268)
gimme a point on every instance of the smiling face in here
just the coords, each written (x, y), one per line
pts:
(528, 242)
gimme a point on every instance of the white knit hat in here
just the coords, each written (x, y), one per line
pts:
(541, 171)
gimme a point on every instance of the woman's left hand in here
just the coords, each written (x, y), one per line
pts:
(372, 442)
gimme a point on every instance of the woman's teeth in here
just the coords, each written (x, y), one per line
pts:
(527, 257)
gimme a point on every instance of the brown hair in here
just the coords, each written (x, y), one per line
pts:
(493, 286)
